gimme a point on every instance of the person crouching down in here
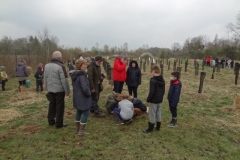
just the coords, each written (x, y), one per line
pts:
(112, 101)
(82, 99)
(139, 107)
(155, 98)
(125, 110)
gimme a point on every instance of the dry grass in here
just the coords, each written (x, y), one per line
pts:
(9, 114)
(24, 98)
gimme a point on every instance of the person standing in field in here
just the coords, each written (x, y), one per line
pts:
(134, 77)
(155, 98)
(82, 99)
(21, 74)
(4, 78)
(56, 82)
(119, 73)
(173, 96)
(39, 79)
(95, 79)
(208, 61)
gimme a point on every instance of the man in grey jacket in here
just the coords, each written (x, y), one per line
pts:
(56, 81)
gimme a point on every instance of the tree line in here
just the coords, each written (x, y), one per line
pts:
(201, 47)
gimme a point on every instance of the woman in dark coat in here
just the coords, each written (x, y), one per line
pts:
(134, 77)
(82, 99)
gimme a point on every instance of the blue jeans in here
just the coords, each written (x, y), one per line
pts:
(82, 116)
(117, 113)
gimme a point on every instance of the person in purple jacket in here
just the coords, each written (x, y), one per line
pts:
(21, 73)
(173, 96)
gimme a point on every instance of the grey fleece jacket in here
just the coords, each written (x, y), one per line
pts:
(127, 109)
(55, 77)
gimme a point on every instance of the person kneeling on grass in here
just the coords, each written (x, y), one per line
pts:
(112, 101)
(139, 107)
(125, 110)
(82, 99)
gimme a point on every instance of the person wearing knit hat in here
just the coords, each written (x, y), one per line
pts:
(98, 58)
(4, 78)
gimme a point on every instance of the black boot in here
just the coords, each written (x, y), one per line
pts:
(174, 123)
(158, 126)
(150, 128)
(170, 123)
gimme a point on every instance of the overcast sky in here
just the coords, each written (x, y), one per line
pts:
(83, 23)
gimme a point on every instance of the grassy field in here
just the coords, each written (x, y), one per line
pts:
(208, 125)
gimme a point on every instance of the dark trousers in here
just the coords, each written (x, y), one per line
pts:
(56, 108)
(173, 110)
(39, 84)
(118, 86)
(132, 89)
(3, 85)
(22, 82)
(95, 108)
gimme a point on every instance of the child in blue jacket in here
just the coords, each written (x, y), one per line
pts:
(173, 96)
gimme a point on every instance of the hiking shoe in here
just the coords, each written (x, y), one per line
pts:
(172, 125)
(100, 115)
(129, 121)
(119, 122)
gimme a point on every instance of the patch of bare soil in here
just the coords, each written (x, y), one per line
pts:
(8, 115)
(70, 113)
(24, 98)
(30, 129)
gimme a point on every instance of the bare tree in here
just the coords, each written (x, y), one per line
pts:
(6, 44)
(125, 47)
(176, 47)
(234, 29)
(44, 40)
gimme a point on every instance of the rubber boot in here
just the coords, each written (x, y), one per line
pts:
(82, 130)
(150, 128)
(158, 126)
(174, 123)
(77, 126)
(170, 123)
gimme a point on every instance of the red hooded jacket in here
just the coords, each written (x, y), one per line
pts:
(119, 70)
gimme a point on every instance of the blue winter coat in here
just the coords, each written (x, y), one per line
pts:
(174, 93)
(134, 75)
(81, 90)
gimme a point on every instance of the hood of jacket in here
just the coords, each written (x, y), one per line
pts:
(75, 73)
(133, 61)
(159, 80)
(20, 64)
